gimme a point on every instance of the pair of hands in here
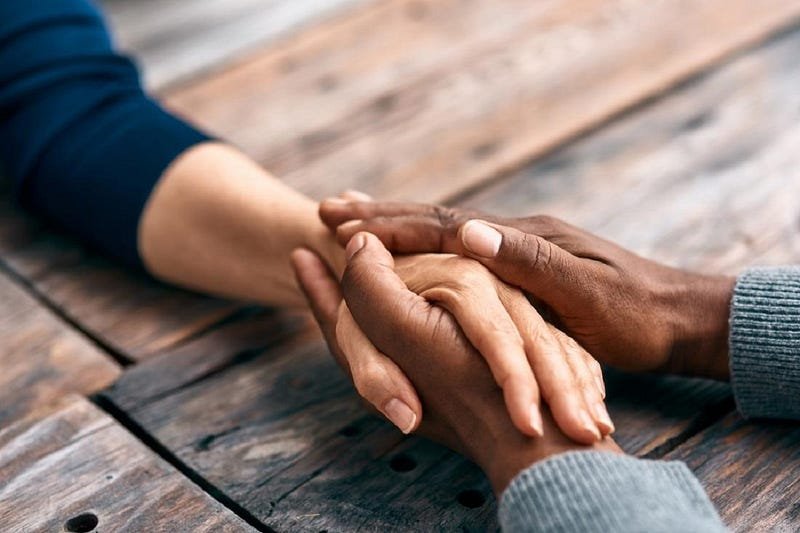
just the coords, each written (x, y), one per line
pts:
(629, 312)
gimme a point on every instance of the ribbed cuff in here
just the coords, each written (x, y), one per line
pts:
(599, 491)
(765, 342)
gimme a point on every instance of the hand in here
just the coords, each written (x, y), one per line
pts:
(628, 312)
(464, 407)
(540, 362)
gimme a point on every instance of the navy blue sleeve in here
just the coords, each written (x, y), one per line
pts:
(81, 141)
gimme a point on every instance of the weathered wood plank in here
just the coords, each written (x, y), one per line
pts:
(78, 470)
(422, 98)
(41, 357)
(178, 40)
(750, 470)
(230, 343)
(706, 178)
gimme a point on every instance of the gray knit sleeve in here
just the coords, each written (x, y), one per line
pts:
(765, 342)
(600, 491)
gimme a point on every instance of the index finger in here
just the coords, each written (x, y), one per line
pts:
(336, 211)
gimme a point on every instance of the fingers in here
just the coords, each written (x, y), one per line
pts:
(406, 234)
(376, 377)
(561, 386)
(589, 377)
(488, 326)
(336, 211)
(323, 294)
(523, 259)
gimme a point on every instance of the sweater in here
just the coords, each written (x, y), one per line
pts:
(80, 141)
(598, 491)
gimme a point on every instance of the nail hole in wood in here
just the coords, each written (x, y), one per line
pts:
(471, 498)
(402, 463)
(349, 431)
(83, 523)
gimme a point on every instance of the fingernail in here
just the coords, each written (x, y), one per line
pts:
(536, 420)
(603, 419)
(589, 424)
(355, 244)
(481, 239)
(401, 415)
(356, 196)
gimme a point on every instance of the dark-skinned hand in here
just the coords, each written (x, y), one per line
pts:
(627, 311)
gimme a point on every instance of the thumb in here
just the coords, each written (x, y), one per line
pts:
(323, 294)
(523, 259)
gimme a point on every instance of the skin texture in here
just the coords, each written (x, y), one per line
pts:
(627, 311)
(529, 359)
(218, 223)
(464, 406)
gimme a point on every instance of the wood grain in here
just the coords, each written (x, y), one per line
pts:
(175, 41)
(41, 357)
(78, 463)
(422, 98)
(750, 470)
(232, 342)
(706, 177)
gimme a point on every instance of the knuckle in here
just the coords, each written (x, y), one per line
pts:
(538, 251)
(447, 216)
(545, 224)
(367, 378)
(464, 274)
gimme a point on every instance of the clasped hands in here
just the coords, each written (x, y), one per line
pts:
(459, 327)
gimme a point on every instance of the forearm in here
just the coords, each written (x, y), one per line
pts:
(218, 223)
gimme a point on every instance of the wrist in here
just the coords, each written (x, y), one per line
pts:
(509, 463)
(321, 241)
(701, 312)
(502, 451)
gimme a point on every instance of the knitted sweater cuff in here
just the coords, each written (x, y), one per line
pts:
(765, 342)
(600, 491)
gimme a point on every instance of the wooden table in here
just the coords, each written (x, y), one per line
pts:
(671, 126)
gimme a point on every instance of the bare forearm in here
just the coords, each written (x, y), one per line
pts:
(219, 223)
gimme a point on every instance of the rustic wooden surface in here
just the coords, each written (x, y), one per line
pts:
(416, 99)
(42, 359)
(670, 126)
(77, 467)
(174, 39)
